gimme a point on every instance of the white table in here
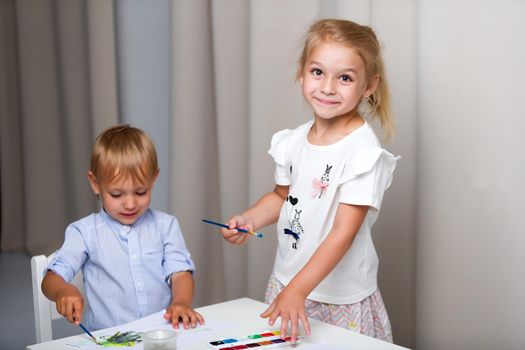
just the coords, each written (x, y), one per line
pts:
(244, 313)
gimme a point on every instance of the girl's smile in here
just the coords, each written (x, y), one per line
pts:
(326, 102)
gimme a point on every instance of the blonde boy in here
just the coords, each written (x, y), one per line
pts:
(134, 259)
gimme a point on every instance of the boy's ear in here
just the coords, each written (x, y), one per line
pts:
(93, 182)
(372, 85)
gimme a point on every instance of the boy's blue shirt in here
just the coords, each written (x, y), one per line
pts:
(126, 268)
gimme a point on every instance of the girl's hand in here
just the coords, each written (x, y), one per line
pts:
(232, 235)
(70, 304)
(178, 312)
(289, 306)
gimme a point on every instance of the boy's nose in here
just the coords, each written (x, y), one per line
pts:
(129, 203)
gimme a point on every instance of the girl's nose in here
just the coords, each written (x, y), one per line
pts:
(328, 87)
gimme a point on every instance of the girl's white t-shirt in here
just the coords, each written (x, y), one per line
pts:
(354, 170)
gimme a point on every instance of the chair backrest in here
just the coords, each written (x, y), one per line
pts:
(45, 309)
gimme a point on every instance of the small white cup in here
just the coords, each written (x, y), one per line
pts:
(162, 339)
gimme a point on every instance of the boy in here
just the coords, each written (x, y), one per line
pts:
(133, 258)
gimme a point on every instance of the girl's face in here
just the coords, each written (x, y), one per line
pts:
(334, 81)
(124, 200)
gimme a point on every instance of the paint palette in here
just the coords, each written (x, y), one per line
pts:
(262, 341)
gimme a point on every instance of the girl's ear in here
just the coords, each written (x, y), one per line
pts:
(93, 182)
(372, 86)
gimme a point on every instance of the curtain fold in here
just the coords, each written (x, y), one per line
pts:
(230, 28)
(42, 142)
(194, 167)
(102, 60)
(11, 165)
(144, 65)
(47, 123)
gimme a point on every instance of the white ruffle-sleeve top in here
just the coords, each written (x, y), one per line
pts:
(355, 170)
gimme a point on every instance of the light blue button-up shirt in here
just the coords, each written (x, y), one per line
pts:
(126, 268)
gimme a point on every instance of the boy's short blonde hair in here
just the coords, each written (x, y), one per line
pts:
(122, 151)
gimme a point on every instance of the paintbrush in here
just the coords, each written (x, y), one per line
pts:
(259, 235)
(88, 333)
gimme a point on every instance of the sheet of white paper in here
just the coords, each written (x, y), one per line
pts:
(186, 337)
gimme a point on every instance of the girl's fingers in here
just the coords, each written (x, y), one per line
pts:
(273, 317)
(304, 321)
(284, 325)
(294, 322)
(268, 311)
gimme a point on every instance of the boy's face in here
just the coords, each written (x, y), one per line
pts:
(124, 199)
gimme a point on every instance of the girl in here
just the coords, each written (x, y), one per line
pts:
(331, 174)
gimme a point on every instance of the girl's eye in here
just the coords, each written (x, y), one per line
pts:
(316, 72)
(345, 78)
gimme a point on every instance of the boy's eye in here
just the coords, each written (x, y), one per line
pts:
(316, 72)
(345, 78)
(115, 195)
(141, 193)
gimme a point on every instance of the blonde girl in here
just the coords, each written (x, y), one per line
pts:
(331, 174)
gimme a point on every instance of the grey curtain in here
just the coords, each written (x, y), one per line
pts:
(48, 124)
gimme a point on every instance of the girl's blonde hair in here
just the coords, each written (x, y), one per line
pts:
(122, 151)
(364, 41)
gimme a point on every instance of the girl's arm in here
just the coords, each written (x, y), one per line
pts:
(182, 288)
(289, 304)
(68, 299)
(263, 213)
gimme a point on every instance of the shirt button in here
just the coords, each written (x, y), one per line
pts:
(134, 256)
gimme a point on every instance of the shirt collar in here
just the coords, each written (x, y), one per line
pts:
(116, 225)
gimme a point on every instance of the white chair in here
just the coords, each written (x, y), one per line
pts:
(45, 309)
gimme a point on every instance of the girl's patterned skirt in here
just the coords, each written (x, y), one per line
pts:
(368, 317)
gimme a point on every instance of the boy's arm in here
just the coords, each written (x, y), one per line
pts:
(68, 299)
(263, 213)
(182, 289)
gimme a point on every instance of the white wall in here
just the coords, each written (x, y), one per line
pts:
(470, 232)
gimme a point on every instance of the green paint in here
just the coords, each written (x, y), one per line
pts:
(118, 339)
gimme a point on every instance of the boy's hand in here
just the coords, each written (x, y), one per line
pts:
(289, 306)
(70, 304)
(232, 235)
(178, 312)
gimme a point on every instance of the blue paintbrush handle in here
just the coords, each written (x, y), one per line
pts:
(260, 235)
(87, 332)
